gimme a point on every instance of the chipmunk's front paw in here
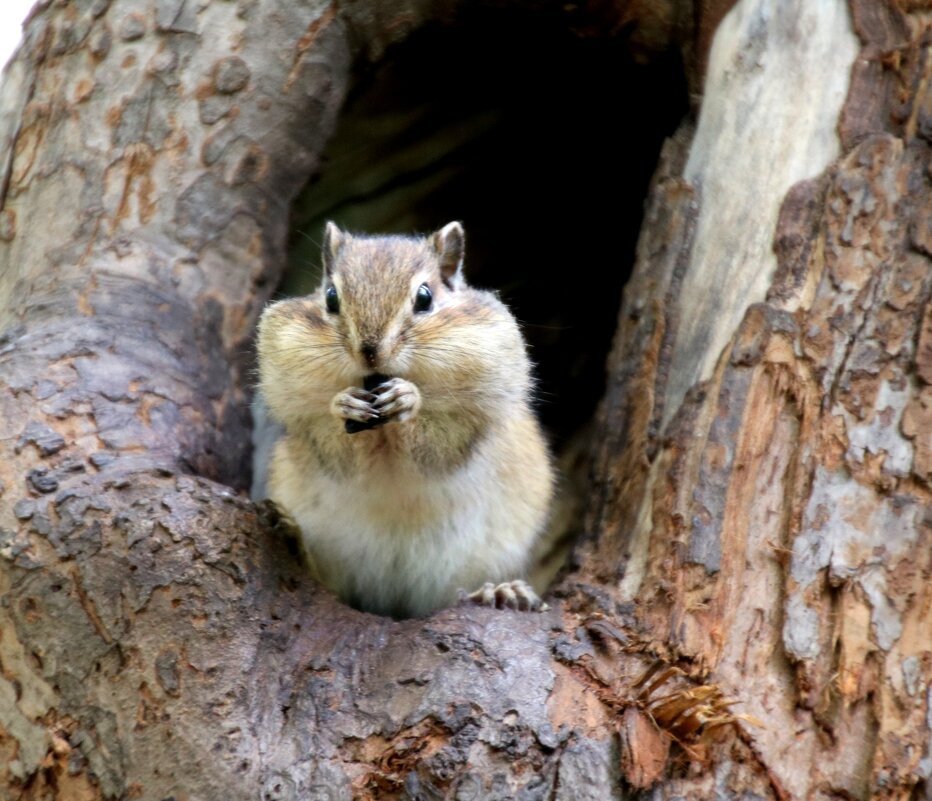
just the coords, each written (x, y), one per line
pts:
(354, 403)
(516, 594)
(397, 399)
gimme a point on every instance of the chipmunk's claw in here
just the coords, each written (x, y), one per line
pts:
(517, 594)
(397, 399)
(356, 404)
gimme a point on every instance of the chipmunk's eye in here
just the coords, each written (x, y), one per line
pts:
(423, 298)
(333, 300)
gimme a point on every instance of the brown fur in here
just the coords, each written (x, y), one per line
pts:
(464, 424)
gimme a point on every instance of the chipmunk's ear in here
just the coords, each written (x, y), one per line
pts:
(333, 239)
(449, 243)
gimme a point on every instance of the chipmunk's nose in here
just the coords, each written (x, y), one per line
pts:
(370, 352)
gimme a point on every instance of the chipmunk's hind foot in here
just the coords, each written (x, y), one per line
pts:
(517, 594)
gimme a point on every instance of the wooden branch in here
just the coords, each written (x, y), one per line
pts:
(769, 525)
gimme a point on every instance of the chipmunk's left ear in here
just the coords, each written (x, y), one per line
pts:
(450, 243)
(333, 239)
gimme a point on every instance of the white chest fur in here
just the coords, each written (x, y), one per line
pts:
(395, 542)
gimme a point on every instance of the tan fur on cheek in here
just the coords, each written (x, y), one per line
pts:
(302, 361)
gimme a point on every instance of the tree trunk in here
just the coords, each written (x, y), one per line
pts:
(758, 515)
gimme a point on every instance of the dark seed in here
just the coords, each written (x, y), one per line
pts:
(354, 426)
(370, 382)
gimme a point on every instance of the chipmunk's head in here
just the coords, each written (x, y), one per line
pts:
(378, 291)
(391, 306)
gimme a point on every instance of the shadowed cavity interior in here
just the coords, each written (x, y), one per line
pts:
(542, 142)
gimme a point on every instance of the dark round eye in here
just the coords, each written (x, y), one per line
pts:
(333, 300)
(423, 298)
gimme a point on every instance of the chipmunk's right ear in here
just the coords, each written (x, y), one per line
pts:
(333, 240)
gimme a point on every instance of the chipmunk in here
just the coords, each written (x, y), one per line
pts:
(411, 461)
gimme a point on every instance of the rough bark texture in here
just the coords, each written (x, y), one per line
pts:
(767, 531)
(777, 531)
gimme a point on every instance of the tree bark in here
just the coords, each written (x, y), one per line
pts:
(759, 512)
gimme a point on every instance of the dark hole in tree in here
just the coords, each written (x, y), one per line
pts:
(542, 143)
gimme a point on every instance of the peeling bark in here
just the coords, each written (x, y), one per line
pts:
(759, 513)
(781, 539)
